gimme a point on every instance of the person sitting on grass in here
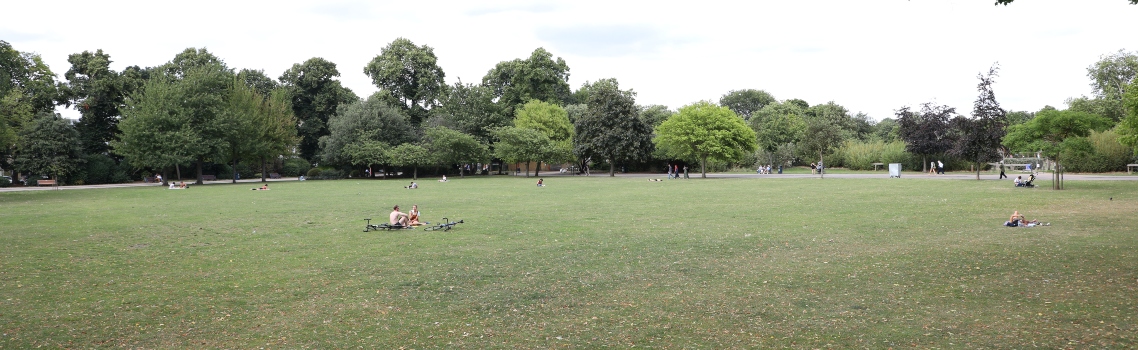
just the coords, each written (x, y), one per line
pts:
(413, 216)
(1017, 220)
(540, 183)
(412, 186)
(444, 179)
(397, 218)
(183, 185)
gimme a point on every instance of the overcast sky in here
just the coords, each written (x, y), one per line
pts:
(870, 56)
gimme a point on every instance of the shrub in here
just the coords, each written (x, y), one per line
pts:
(1099, 152)
(313, 173)
(4, 182)
(858, 155)
(293, 167)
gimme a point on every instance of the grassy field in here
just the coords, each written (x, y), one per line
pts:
(582, 263)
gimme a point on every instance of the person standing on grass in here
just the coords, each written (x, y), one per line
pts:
(1002, 176)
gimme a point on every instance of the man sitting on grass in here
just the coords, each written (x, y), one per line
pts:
(412, 186)
(397, 218)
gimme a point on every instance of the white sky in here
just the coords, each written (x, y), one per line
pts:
(871, 56)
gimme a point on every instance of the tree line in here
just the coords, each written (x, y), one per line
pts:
(194, 113)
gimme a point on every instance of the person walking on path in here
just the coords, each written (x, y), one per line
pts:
(685, 171)
(1002, 176)
(669, 171)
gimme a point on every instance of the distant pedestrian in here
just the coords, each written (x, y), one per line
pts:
(670, 172)
(1002, 176)
(685, 171)
(939, 167)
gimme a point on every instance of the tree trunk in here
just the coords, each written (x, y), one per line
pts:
(821, 166)
(165, 177)
(527, 168)
(703, 167)
(924, 164)
(612, 168)
(264, 170)
(199, 170)
(977, 170)
(178, 167)
(537, 169)
(234, 178)
(415, 172)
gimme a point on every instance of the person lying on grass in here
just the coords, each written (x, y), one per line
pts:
(1017, 220)
(264, 187)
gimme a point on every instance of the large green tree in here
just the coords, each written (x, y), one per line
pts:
(411, 155)
(746, 102)
(27, 88)
(538, 77)
(470, 109)
(153, 129)
(552, 121)
(978, 139)
(98, 93)
(777, 127)
(369, 120)
(451, 147)
(49, 146)
(705, 132)
(1110, 77)
(611, 129)
(315, 95)
(653, 115)
(1047, 131)
(926, 132)
(821, 136)
(522, 145)
(261, 127)
(409, 74)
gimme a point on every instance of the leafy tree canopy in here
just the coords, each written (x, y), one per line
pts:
(538, 77)
(611, 129)
(705, 132)
(315, 94)
(49, 146)
(410, 74)
(653, 115)
(369, 120)
(746, 102)
(470, 109)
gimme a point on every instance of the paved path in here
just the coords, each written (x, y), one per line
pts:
(133, 184)
(1041, 178)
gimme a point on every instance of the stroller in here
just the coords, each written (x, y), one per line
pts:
(1030, 181)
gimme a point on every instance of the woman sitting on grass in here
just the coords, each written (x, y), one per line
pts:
(413, 216)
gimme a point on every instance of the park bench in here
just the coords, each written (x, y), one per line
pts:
(274, 176)
(209, 178)
(45, 182)
(1129, 166)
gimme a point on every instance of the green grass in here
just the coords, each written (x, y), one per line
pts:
(584, 262)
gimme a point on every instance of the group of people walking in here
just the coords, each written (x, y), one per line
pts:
(674, 171)
(936, 167)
